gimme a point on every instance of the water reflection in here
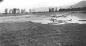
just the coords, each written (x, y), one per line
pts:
(72, 18)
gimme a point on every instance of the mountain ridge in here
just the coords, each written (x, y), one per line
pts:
(79, 4)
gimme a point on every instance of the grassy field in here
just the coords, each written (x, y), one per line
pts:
(36, 34)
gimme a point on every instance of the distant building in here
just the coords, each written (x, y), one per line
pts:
(52, 9)
(39, 10)
(24, 11)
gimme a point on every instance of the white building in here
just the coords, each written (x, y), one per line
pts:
(44, 9)
(39, 10)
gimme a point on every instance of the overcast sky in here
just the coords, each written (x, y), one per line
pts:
(35, 3)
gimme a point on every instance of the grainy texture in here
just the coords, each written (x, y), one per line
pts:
(34, 34)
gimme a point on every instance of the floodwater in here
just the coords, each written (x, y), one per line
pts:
(44, 19)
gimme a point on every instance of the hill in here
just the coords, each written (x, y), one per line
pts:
(79, 4)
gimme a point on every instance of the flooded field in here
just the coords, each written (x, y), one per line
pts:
(30, 30)
(45, 19)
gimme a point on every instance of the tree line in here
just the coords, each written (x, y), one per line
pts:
(74, 9)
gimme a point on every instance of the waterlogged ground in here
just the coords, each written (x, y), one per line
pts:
(19, 31)
(44, 19)
(23, 18)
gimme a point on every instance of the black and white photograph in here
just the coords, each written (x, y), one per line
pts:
(42, 22)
